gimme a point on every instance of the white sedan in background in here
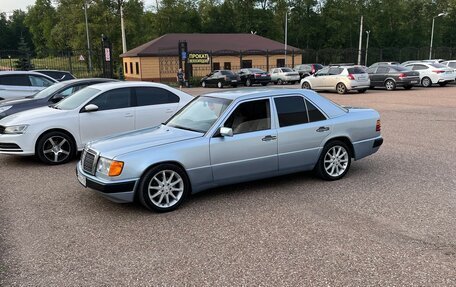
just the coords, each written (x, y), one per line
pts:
(432, 73)
(55, 133)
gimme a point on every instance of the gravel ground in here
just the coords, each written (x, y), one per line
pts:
(389, 222)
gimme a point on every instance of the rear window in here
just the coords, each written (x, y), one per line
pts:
(15, 80)
(287, 70)
(356, 70)
(400, 68)
(318, 66)
(452, 64)
(256, 71)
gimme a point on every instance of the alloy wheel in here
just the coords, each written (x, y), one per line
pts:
(56, 149)
(336, 161)
(165, 189)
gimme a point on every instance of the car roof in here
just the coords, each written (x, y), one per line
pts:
(21, 72)
(47, 70)
(127, 84)
(331, 109)
(84, 80)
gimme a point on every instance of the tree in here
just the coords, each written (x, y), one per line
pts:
(23, 63)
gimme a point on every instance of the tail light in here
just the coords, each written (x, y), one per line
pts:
(257, 75)
(438, 71)
(401, 76)
(350, 77)
(268, 75)
(378, 126)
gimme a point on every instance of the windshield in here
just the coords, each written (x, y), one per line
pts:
(200, 114)
(49, 91)
(77, 99)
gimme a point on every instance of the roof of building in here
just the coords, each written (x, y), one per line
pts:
(168, 44)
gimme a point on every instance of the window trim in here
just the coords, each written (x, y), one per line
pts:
(305, 98)
(317, 107)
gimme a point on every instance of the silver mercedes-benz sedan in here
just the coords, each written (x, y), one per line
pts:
(230, 137)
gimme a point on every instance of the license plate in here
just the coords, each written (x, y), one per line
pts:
(82, 179)
(413, 82)
(233, 81)
(361, 78)
(263, 75)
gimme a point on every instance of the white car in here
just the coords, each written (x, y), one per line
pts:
(283, 75)
(450, 64)
(338, 78)
(21, 84)
(432, 73)
(57, 132)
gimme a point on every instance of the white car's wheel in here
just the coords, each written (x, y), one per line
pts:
(203, 84)
(306, 86)
(219, 85)
(163, 188)
(55, 148)
(341, 88)
(334, 161)
(426, 82)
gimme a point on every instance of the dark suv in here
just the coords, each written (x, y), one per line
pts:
(392, 76)
(305, 70)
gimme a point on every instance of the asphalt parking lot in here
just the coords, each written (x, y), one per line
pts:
(389, 222)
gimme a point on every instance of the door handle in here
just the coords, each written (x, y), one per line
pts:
(129, 115)
(269, 138)
(322, 129)
(169, 111)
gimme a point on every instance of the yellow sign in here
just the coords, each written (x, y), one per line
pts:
(199, 58)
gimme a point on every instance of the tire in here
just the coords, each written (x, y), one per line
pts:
(264, 84)
(203, 84)
(306, 86)
(362, 91)
(334, 152)
(279, 82)
(234, 86)
(426, 82)
(163, 188)
(408, 87)
(55, 148)
(248, 83)
(341, 88)
(390, 85)
(443, 84)
(219, 85)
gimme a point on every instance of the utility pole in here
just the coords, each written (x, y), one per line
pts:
(360, 40)
(122, 27)
(367, 47)
(432, 33)
(286, 35)
(89, 52)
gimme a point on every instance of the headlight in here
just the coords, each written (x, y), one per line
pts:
(109, 167)
(19, 129)
(5, 108)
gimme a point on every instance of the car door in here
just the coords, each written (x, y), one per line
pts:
(115, 114)
(16, 85)
(380, 75)
(332, 79)
(301, 131)
(251, 152)
(154, 106)
(318, 79)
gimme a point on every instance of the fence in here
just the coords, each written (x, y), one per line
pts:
(76, 61)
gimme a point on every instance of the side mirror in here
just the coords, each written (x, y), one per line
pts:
(91, 108)
(226, 132)
(57, 98)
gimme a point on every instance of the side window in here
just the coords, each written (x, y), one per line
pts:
(131, 67)
(15, 80)
(291, 111)
(334, 71)
(371, 70)
(382, 70)
(38, 81)
(114, 99)
(419, 67)
(314, 114)
(452, 65)
(250, 117)
(137, 68)
(323, 72)
(215, 66)
(154, 96)
(126, 68)
(68, 91)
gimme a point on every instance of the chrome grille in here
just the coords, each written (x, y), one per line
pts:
(89, 161)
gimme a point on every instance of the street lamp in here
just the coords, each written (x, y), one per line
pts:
(88, 38)
(432, 33)
(286, 35)
(367, 47)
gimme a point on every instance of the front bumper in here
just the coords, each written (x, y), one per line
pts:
(117, 191)
(17, 144)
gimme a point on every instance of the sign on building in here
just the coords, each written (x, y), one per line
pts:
(199, 58)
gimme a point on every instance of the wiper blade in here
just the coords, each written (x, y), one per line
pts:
(185, 128)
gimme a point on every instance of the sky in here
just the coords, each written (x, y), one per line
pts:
(10, 5)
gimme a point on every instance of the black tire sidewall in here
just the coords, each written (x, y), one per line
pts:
(44, 138)
(430, 82)
(320, 168)
(147, 177)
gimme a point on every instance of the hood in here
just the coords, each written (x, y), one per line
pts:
(30, 116)
(119, 144)
(16, 102)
